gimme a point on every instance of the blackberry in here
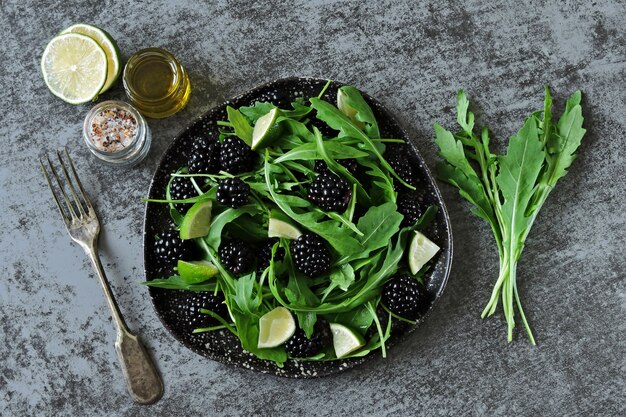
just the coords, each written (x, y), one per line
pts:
(398, 158)
(409, 207)
(330, 192)
(188, 305)
(232, 192)
(265, 254)
(236, 156)
(350, 164)
(205, 156)
(405, 297)
(310, 255)
(170, 248)
(181, 188)
(236, 256)
(299, 346)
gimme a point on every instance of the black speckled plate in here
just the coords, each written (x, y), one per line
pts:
(222, 345)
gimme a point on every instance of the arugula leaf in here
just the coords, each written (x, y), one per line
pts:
(308, 151)
(563, 147)
(378, 225)
(255, 112)
(214, 238)
(382, 185)
(296, 128)
(426, 219)
(519, 170)
(246, 297)
(457, 171)
(243, 130)
(343, 276)
(176, 282)
(353, 98)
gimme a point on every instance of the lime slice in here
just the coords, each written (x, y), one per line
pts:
(266, 129)
(194, 272)
(421, 251)
(74, 67)
(276, 327)
(197, 221)
(348, 110)
(279, 228)
(109, 46)
(345, 340)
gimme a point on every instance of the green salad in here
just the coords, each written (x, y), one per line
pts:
(299, 230)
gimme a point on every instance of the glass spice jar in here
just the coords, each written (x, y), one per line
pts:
(156, 83)
(116, 133)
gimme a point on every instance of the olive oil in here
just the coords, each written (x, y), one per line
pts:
(156, 83)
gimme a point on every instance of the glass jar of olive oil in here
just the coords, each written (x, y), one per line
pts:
(155, 82)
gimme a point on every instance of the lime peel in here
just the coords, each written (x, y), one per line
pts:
(282, 229)
(197, 221)
(194, 272)
(275, 328)
(345, 340)
(266, 129)
(421, 251)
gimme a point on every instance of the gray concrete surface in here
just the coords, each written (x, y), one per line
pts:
(56, 336)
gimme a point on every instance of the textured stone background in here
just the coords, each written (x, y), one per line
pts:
(56, 336)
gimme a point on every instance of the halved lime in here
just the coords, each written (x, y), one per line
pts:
(282, 229)
(345, 340)
(421, 251)
(345, 108)
(266, 129)
(74, 67)
(107, 43)
(275, 328)
(194, 272)
(197, 221)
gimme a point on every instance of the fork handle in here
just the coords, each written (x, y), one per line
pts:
(142, 378)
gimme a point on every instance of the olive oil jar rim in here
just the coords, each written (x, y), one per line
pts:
(178, 75)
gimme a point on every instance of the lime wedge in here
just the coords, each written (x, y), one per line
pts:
(266, 129)
(197, 221)
(282, 229)
(109, 46)
(276, 327)
(347, 109)
(194, 272)
(74, 67)
(345, 340)
(421, 251)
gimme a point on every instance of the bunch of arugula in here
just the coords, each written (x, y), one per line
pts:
(365, 254)
(508, 190)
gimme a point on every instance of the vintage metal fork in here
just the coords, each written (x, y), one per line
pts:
(142, 378)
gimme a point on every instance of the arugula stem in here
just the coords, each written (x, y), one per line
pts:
(510, 314)
(495, 293)
(522, 315)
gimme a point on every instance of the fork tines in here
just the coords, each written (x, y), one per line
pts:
(74, 208)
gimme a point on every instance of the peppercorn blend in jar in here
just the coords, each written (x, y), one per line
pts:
(116, 133)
